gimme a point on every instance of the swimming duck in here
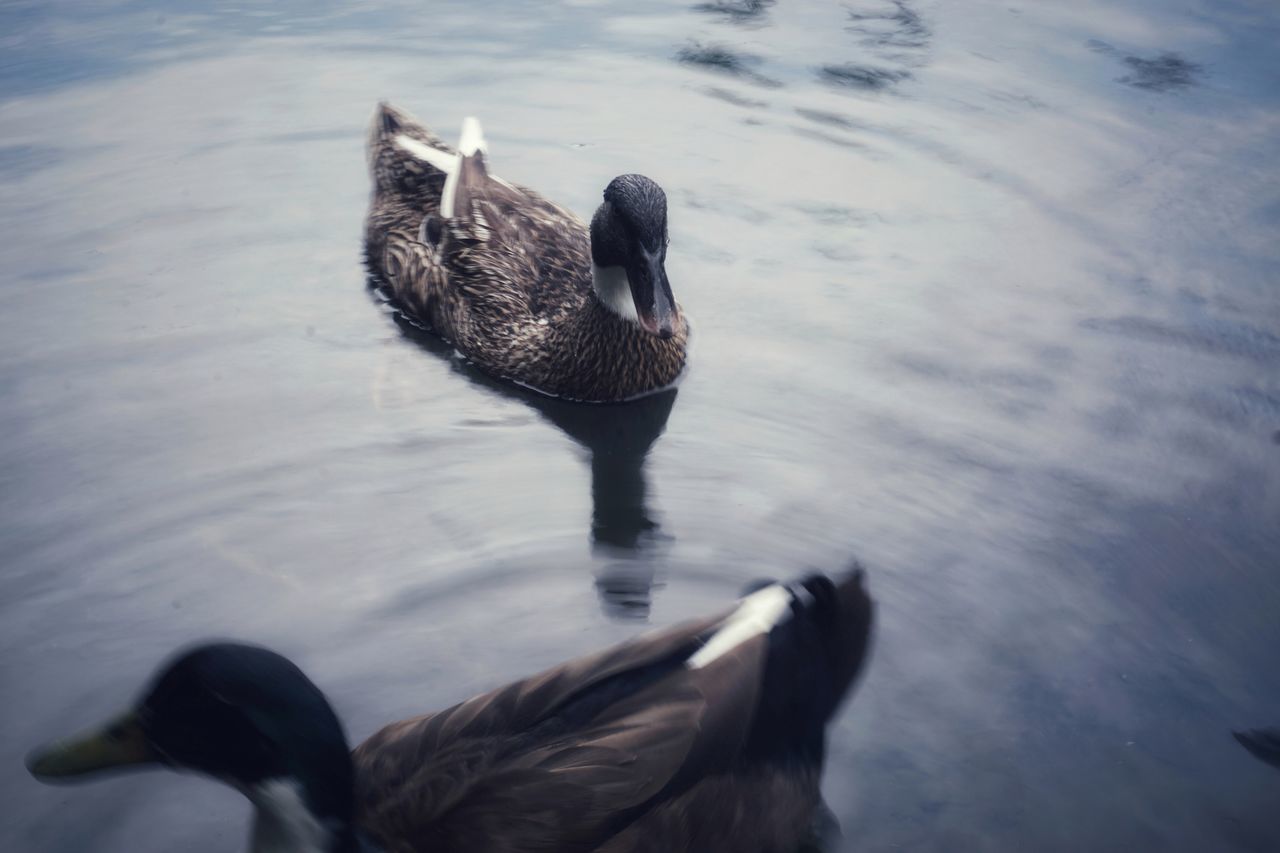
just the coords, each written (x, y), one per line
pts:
(519, 285)
(706, 736)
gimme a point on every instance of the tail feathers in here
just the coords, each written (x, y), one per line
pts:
(387, 119)
(814, 658)
(847, 614)
(405, 157)
(827, 621)
(839, 615)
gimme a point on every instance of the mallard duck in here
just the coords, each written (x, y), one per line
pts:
(706, 736)
(516, 283)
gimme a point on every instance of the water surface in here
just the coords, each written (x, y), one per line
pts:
(984, 295)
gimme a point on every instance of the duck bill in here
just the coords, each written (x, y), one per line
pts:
(120, 743)
(651, 292)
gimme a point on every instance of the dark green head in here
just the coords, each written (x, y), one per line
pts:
(242, 714)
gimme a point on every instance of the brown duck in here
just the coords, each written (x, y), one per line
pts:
(707, 736)
(516, 283)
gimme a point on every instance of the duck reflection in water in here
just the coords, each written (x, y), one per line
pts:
(625, 538)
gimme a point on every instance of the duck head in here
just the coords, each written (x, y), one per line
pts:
(629, 253)
(245, 716)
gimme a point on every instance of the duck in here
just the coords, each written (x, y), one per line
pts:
(707, 735)
(520, 286)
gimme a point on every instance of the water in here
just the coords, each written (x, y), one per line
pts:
(984, 295)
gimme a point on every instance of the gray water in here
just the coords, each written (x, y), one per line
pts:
(984, 294)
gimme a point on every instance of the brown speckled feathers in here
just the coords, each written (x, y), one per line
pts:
(506, 279)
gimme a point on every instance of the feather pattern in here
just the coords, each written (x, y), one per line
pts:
(508, 281)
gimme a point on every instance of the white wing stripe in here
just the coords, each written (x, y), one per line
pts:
(442, 160)
(756, 615)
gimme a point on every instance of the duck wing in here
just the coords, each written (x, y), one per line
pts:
(508, 243)
(581, 754)
(562, 760)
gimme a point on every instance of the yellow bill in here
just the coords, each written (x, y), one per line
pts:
(119, 743)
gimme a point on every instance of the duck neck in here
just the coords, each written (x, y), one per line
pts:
(613, 291)
(283, 822)
(612, 306)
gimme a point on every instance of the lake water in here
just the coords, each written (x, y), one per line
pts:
(985, 294)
